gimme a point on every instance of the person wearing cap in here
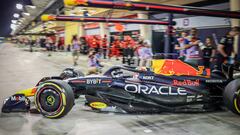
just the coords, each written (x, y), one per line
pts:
(225, 47)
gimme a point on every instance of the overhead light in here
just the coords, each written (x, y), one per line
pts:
(14, 21)
(92, 11)
(32, 7)
(83, 9)
(19, 6)
(13, 26)
(72, 14)
(27, 14)
(21, 19)
(16, 15)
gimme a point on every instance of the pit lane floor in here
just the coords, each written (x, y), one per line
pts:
(21, 69)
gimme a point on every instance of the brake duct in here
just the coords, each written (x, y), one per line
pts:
(153, 7)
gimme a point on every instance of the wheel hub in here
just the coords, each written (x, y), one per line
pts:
(50, 100)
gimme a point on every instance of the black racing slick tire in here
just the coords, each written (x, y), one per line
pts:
(54, 98)
(231, 96)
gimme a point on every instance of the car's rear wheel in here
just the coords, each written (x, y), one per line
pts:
(231, 96)
(54, 98)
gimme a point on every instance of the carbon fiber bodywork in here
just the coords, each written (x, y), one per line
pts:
(143, 91)
(126, 89)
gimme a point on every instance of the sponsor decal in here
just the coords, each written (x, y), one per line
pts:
(98, 105)
(93, 81)
(186, 82)
(106, 81)
(178, 68)
(17, 98)
(194, 98)
(148, 77)
(78, 81)
(215, 81)
(162, 90)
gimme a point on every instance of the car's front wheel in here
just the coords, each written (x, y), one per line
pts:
(54, 98)
(231, 96)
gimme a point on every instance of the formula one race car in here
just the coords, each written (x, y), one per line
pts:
(170, 86)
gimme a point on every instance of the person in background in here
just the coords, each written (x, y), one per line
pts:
(83, 45)
(138, 46)
(104, 46)
(69, 47)
(93, 63)
(26, 41)
(209, 51)
(131, 47)
(124, 46)
(32, 43)
(43, 42)
(49, 45)
(61, 44)
(115, 48)
(98, 57)
(75, 50)
(193, 51)
(181, 42)
(57, 41)
(140, 40)
(226, 48)
(95, 43)
(145, 54)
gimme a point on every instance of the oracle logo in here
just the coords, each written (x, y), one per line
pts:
(162, 90)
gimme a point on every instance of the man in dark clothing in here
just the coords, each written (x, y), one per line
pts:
(225, 47)
(209, 51)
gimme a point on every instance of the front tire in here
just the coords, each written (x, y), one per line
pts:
(54, 98)
(231, 96)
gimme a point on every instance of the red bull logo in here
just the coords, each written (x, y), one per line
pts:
(186, 82)
(179, 68)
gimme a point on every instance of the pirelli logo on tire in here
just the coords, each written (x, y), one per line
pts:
(98, 105)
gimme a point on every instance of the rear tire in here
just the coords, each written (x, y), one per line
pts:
(54, 98)
(231, 96)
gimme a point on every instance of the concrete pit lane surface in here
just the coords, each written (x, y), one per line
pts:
(21, 69)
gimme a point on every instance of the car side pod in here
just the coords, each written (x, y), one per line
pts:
(16, 103)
